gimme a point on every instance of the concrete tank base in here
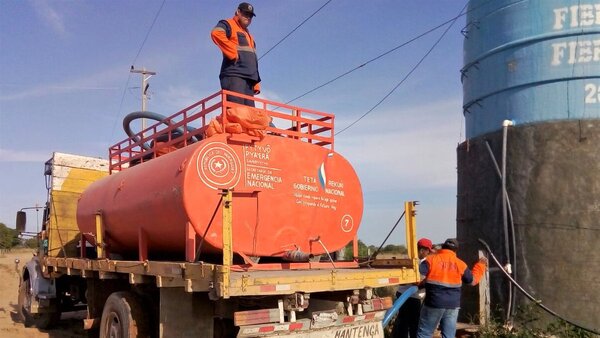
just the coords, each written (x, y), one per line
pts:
(553, 184)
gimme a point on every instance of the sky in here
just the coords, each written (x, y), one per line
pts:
(65, 86)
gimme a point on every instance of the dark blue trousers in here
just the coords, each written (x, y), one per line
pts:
(238, 85)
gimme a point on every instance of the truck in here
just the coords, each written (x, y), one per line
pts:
(220, 220)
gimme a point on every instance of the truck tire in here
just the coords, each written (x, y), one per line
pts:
(39, 320)
(123, 317)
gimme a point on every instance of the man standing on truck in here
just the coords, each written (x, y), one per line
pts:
(407, 321)
(444, 275)
(239, 69)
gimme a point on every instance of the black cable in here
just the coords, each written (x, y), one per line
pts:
(133, 63)
(407, 75)
(207, 227)
(537, 302)
(391, 50)
(386, 238)
(371, 60)
(293, 30)
(148, 33)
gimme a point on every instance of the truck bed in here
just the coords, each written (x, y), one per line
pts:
(225, 282)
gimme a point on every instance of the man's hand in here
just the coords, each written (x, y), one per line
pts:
(483, 260)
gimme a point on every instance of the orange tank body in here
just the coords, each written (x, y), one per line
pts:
(286, 193)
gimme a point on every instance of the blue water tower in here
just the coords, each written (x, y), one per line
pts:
(529, 169)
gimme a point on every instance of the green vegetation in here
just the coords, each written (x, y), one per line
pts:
(8, 237)
(366, 250)
(531, 322)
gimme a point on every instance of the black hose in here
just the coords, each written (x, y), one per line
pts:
(537, 302)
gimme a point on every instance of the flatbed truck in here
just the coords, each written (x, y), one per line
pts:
(225, 297)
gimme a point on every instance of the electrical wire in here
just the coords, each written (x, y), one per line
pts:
(293, 30)
(148, 32)
(451, 20)
(372, 60)
(537, 302)
(133, 63)
(407, 75)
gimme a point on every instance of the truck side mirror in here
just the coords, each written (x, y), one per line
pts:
(21, 221)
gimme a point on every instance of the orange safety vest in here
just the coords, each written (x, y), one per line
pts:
(239, 50)
(444, 275)
(445, 269)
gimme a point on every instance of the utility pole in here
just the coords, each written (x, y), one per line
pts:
(146, 75)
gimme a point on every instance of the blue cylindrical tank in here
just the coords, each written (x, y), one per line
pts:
(537, 63)
(530, 61)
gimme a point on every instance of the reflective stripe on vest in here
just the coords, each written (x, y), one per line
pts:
(242, 38)
(246, 64)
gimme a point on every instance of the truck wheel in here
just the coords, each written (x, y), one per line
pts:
(39, 320)
(123, 317)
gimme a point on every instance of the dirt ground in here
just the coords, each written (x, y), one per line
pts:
(10, 326)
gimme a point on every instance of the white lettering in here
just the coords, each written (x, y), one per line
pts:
(560, 15)
(574, 12)
(335, 192)
(572, 52)
(585, 52)
(587, 15)
(263, 177)
(559, 53)
(576, 16)
(592, 93)
(306, 187)
(259, 184)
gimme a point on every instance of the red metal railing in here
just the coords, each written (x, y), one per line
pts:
(190, 124)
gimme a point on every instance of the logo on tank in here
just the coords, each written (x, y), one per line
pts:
(334, 190)
(347, 223)
(218, 166)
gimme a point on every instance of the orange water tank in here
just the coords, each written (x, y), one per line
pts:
(286, 192)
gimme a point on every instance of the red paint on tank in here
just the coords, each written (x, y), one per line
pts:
(286, 192)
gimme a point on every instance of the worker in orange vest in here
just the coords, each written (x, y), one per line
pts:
(239, 69)
(407, 321)
(444, 276)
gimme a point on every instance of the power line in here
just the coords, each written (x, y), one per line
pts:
(148, 33)
(408, 74)
(293, 30)
(375, 58)
(451, 20)
(133, 63)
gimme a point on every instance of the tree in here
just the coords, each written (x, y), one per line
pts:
(8, 237)
(32, 243)
(393, 248)
(366, 250)
(362, 250)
